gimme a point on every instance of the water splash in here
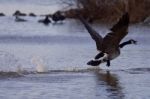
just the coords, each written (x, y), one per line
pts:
(40, 67)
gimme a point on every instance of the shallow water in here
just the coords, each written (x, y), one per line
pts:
(63, 51)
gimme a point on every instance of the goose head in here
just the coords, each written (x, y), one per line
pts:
(133, 41)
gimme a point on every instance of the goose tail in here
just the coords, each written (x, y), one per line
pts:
(94, 62)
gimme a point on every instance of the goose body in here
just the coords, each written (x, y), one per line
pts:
(109, 46)
(32, 14)
(2, 14)
(45, 21)
(18, 13)
(57, 16)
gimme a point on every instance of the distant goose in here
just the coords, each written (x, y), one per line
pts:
(32, 15)
(45, 21)
(58, 16)
(18, 13)
(20, 19)
(2, 14)
(109, 46)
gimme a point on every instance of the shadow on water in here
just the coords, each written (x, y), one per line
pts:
(111, 82)
(143, 70)
(6, 75)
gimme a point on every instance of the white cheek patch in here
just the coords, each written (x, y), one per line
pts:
(132, 42)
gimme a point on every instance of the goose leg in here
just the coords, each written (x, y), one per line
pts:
(108, 63)
(127, 43)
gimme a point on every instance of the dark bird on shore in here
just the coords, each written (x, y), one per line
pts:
(32, 15)
(18, 19)
(45, 21)
(109, 46)
(2, 14)
(18, 13)
(58, 16)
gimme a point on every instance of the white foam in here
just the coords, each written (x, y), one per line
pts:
(40, 67)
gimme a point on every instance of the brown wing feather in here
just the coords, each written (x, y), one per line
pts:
(119, 31)
(95, 35)
(123, 22)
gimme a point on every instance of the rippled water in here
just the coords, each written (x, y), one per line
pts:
(63, 51)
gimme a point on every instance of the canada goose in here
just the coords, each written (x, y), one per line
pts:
(32, 15)
(19, 19)
(109, 46)
(45, 21)
(57, 16)
(18, 13)
(2, 14)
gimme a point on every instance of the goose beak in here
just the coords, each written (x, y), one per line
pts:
(133, 42)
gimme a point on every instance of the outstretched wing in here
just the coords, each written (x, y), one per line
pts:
(95, 35)
(119, 31)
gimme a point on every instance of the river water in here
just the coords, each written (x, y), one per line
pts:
(61, 52)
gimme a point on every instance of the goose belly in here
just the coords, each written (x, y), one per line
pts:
(114, 55)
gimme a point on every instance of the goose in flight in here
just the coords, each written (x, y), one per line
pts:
(109, 46)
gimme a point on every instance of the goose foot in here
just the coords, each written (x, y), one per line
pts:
(108, 63)
(94, 62)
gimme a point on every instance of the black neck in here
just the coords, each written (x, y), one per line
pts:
(125, 43)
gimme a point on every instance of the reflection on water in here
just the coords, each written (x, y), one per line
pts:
(73, 80)
(111, 82)
(138, 70)
(77, 83)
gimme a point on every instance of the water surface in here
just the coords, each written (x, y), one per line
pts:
(64, 49)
